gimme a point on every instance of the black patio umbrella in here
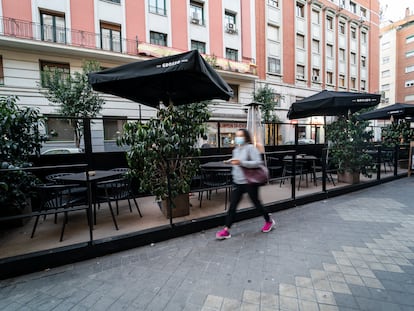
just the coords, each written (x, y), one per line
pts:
(179, 79)
(397, 111)
(331, 103)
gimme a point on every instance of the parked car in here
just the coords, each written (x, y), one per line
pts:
(62, 151)
(301, 141)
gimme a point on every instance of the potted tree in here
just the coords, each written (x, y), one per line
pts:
(161, 152)
(400, 133)
(349, 140)
(19, 140)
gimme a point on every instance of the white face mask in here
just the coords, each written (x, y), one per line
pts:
(239, 140)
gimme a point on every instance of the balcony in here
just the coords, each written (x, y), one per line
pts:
(20, 29)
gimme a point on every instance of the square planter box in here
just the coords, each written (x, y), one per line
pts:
(181, 206)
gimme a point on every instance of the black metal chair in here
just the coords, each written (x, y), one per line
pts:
(114, 190)
(56, 199)
(299, 170)
(215, 179)
(79, 193)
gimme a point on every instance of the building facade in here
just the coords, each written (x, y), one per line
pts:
(295, 47)
(397, 61)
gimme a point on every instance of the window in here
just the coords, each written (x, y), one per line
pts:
(341, 81)
(315, 75)
(315, 46)
(59, 129)
(273, 33)
(197, 12)
(235, 98)
(329, 22)
(385, 59)
(329, 77)
(353, 58)
(273, 65)
(363, 11)
(300, 41)
(385, 45)
(113, 127)
(53, 27)
(385, 87)
(1, 71)
(409, 39)
(114, 1)
(363, 85)
(229, 18)
(62, 69)
(353, 83)
(409, 54)
(385, 73)
(353, 33)
(273, 3)
(110, 37)
(364, 37)
(158, 38)
(232, 54)
(199, 46)
(157, 7)
(300, 10)
(329, 50)
(342, 55)
(409, 83)
(315, 17)
(352, 7)
(342, 28)
(363, 61)
(409, 69)
(300, 72)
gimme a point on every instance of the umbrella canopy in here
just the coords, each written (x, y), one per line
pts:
(330, 103)
(397, 111)
(180, 79)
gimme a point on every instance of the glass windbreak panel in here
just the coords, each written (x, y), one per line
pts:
(286, 134)
(210, 139)
(64, 136)
(228, 133)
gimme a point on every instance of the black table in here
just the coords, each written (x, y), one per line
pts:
(89, 179)
(216, 165)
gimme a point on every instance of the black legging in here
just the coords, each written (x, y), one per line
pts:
(236, 195)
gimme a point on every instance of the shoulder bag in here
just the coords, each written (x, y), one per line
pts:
(256, 175)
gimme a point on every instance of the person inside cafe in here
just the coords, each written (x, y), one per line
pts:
(244, 155)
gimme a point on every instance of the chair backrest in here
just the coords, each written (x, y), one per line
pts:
(215, 177)
(52, 177)
(54, 196)
(115, 189)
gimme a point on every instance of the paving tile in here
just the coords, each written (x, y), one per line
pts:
(308, 305)
(287, 290)
(324, 297)
(339, 287)
(306, 294)
(288, 303)
(303, 282)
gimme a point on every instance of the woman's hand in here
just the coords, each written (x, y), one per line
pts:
(235, 161)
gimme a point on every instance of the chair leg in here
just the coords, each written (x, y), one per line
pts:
(65, 220)
(201, 198)
(34, 227)
(113, 215)
(136, 204)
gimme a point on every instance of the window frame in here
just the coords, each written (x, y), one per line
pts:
(1, 70)
(195, 45)
(54, 28)
(113, 30)
(157, 9)
(52, 64)
(197, 7)
(274, 62)
(231, 52)
(156, 41)
(300, 9)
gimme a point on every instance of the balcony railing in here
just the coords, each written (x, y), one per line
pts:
(10, 27)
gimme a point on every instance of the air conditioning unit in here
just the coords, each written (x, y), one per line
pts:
(195, 19)
(231, 28)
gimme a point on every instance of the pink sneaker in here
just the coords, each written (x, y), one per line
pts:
(223, 234)
(268, 225)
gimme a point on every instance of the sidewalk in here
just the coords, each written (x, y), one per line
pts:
(353, 252)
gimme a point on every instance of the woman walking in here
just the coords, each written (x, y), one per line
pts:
(244, 155)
